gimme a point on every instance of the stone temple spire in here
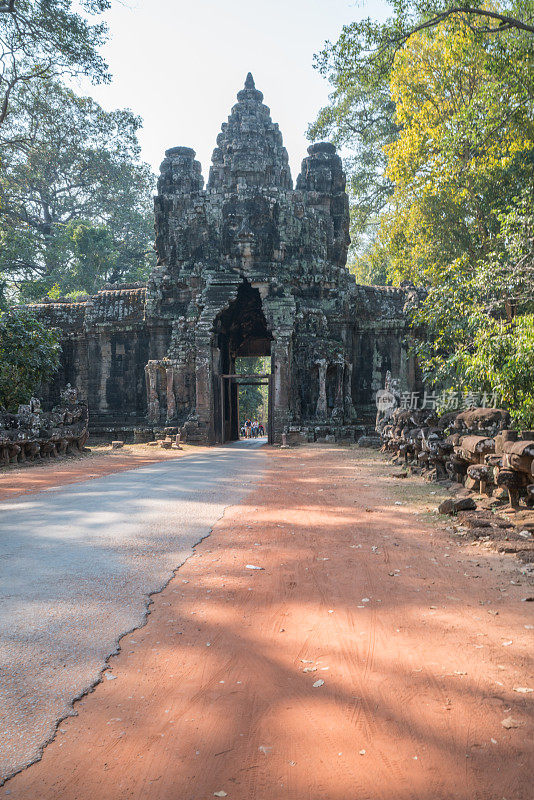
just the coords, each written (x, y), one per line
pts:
(249, 86)
(250, 152)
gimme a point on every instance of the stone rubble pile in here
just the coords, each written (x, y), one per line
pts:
(475, 448)
(32, 433)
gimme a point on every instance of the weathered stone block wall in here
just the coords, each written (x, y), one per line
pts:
(106, 343)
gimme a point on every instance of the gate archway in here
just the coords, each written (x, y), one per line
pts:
(240, 330)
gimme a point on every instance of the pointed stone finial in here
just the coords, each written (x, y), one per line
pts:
(249, 91)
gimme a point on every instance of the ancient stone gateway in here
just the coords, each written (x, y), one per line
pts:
(247, 266)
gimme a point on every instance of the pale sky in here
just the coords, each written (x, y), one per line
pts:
(179, 64)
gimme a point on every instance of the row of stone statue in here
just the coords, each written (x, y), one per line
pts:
(474, 447)
(32, 433)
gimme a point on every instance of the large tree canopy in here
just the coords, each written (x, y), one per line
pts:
(464, 150)
(75, 202)
(46, 38)
(436, 106)
(361, 115)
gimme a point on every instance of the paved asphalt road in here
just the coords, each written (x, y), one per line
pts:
(77, 564)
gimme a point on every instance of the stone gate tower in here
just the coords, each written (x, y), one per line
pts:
(247, 266)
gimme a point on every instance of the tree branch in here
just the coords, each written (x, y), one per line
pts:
(505, 22)
(4, 104)
(8, 8)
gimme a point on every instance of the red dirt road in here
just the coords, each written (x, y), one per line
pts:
(420, 640)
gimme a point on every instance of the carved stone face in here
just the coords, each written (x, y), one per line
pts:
(249, 228)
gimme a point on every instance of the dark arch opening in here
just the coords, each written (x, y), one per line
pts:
(240, 330)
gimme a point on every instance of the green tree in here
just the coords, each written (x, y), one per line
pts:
(29, 356)
(42, 39)
(501, 360)
(370, 265)
(464, 106)
(75, 205)
(253, 399)
(479, 328)
(457, 163)
(460, 219)
(361, 114)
